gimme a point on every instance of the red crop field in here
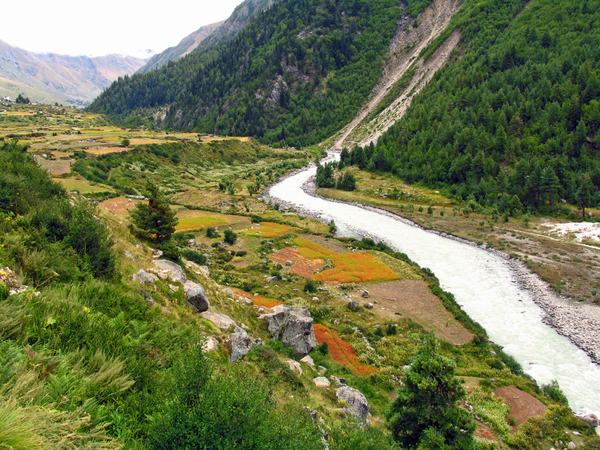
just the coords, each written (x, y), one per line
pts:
(341, 351)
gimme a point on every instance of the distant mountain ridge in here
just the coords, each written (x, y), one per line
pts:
(53, 78)
(210, 35)
(187, 45)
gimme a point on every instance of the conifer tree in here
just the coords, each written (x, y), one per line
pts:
(154, 221)
(426, 414)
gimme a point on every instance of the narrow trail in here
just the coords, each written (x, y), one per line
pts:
(403, 54)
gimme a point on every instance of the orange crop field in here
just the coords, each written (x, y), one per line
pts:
(341, 351)
(356, 268)
(270, 230)
(106, 150)
(258, 300)
(311, 250)
(191, 220)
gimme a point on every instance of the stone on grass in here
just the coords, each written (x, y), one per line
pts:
(321, 382)
(221, 320)
(210, 344)
(294, 325)
(240, 345)
(355, 402)
(272, 279)
(175, 271)
(369, 305)
(196, 296)
(590, 419)
(144, 277)
(365, 294)
(294, 366)
(309, 361)
(353, 305)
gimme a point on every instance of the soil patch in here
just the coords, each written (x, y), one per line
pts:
(414, 300)
(522, 405)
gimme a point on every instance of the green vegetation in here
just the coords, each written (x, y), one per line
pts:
(514, 122)
(154, 221)
(294, 76)
(426, 413)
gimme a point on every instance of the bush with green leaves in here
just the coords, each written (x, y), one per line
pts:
(229, 409)
(229, 237)
(154, 221)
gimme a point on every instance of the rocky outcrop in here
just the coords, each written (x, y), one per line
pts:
(321, 382)
(240, 345)
(590, 419)
(196, 296)
(176, 273)
(143, 277)
(294, 325)
(355, 402)
(221, 320)
(294, 366)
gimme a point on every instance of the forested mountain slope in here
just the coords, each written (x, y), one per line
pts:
(294, 76)
(514, 121)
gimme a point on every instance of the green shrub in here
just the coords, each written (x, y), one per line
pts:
(193, 256)
(230, 237)
(228, 410)
(310, 286)
(554, 391)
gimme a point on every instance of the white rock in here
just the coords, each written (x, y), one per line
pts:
(221, 320)
(308, 360)
(294, 366)
(321, 382)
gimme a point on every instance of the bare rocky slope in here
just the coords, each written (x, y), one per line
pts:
(50, 78)
(412, 37)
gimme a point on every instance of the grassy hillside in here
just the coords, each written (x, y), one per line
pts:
(91, 358)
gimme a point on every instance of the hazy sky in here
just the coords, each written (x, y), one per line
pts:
(126, 27)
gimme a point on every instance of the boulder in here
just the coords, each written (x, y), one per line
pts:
(369, 305)
(272, 279)
(309, 361)
(353, 305)
(229, 292)
(590, 419)
(210, 345)
(356, 403)
(240, 345)
(221, 320)
(196, 296)
(365, 294)
(144, 277)
(175, 271)
(321, 382)
(294, 325)
(571, 445)
(294, 366)
(128, 254)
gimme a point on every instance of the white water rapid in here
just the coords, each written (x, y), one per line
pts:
(482, 283)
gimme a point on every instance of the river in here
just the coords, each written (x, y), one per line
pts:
(482, 282)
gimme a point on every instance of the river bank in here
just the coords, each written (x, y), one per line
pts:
(580, 323)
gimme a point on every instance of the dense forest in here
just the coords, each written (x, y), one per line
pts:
(294, 76)
(514, 121)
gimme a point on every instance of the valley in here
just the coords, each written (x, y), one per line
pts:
(340, 225)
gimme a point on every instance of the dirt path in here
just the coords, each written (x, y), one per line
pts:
(402, 55)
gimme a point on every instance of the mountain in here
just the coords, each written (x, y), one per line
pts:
(187, 44)
(293, 76)
(51, 78)
(210, 35)
(514, 122)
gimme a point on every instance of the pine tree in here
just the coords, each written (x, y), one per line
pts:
(154, 221)
(426, 414)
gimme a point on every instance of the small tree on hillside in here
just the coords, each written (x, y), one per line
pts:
(425, 414)
(584, 194)
(154, 221)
